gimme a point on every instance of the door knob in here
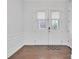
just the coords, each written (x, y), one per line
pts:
(48, 29)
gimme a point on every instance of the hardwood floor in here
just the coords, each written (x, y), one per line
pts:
(43, 52)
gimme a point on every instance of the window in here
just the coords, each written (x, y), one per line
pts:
(42, 22)
(41, 15)
(55, 19)
(55, 24)
(55, 15)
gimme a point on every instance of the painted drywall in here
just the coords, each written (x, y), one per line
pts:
(15, 16)
(15, 25)
(34, 36)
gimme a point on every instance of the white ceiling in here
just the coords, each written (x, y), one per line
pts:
(49, 0)
(45, 0)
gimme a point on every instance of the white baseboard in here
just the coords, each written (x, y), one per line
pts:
(15, 50)
(14, 43)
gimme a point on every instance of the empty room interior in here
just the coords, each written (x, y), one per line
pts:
(39, 29)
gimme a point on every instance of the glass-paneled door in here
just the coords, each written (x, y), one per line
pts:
(48, 21)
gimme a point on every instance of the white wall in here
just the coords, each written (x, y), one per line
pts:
(15, 16)
(35, 36)
(15, 25)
